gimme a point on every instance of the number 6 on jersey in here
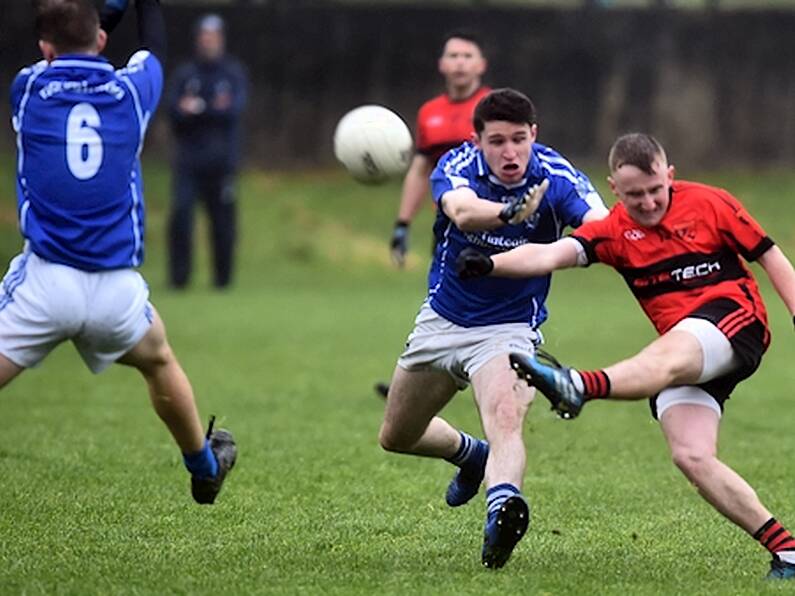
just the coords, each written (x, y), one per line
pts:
(83, 143)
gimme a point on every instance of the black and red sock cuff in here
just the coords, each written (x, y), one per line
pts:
(596, 384)
(775, 537)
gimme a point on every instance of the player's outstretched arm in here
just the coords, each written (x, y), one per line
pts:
(151, 27)
(782, 275)
(530, 260)
(470, 213)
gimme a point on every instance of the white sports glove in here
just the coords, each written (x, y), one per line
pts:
(520, 208)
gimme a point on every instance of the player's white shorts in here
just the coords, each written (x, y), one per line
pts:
(436, 343)
(719, 359)
(42, 304)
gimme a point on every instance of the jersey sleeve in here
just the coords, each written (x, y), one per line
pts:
(595, 237)
(577, 196)
(145, 73)
(449, 175)
(17, 91)
(19, 87)
(741, 231)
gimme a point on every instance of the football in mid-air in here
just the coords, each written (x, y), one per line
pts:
(373, 143)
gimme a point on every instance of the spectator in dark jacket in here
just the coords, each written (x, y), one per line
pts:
(206, 99)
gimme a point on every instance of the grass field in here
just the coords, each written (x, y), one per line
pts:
(94, 499)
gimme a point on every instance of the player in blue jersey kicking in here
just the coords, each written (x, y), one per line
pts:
(498, 192)
(80, 126)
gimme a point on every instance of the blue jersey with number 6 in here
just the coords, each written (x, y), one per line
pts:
(80, 127)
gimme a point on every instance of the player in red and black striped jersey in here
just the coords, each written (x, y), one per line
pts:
(443, 122)
(678, 246)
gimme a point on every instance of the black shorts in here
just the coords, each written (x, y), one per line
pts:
(748, 336)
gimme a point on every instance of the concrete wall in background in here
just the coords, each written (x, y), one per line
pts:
(716, 88)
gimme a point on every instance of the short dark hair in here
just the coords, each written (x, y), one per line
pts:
(464, 34)
(635, 149)
(69, 25)
(505, 104)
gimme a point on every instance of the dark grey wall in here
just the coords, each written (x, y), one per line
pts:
(717, 88)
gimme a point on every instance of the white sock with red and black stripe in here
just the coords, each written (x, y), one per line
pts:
(594, 384)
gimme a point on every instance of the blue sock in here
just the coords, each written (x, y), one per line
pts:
(201, 464)
(472, 451)
(497, 495)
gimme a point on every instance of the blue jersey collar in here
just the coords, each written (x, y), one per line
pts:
(83, 61)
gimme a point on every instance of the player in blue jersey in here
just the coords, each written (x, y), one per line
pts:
(498, 192)
(80, 126)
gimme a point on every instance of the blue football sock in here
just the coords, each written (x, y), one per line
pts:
(471, 452)
(201, 464)
(497, 495)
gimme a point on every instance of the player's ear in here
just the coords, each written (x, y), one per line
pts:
(533, 132)
(475, 139)
(612, 184)
(484, 65)
(47, 50)
(102, 40)
(671, 173)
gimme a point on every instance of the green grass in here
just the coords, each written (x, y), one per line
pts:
(94, 499)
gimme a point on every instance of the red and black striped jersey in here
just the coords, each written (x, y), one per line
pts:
(690, 258)
(443, 123)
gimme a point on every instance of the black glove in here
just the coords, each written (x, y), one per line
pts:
(519, 209)
(399, 245)
(471, 263)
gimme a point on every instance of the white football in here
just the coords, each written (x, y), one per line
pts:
(373, 143)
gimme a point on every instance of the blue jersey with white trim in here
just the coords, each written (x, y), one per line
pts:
(80, 128)
(494, 300)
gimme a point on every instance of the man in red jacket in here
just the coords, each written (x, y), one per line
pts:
(443, 122)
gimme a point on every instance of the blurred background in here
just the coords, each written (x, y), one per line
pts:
(714, 79)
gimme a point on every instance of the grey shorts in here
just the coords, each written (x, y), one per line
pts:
(437, 344)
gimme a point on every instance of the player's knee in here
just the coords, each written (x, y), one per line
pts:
(693, 461)
(392, 440)
(670, 365)
(387, 439)
(508, 413)
(156, 359)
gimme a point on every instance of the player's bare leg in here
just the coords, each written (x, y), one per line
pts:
(503, 402)
(675, 358)
(411, 426)
(692, 435)
(208, 457)
(8, 371)
(410, 422)
(169, 389)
